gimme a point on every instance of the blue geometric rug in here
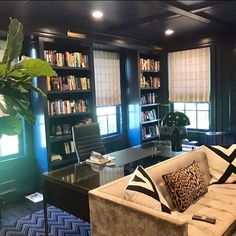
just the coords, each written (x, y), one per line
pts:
(60, 223)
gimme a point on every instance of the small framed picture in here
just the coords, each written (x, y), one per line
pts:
(58, 130)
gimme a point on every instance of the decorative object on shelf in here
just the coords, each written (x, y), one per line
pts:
(176, 119)
(16, 82)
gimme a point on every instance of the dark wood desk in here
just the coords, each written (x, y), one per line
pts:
(67, 188)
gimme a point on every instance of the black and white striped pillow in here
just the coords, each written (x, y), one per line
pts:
(222, 163)
(141, 189)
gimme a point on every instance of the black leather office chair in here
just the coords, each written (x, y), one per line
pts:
(86, 138)
(165, 131)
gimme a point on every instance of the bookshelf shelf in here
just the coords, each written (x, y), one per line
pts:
(150, 105)
(150, 71)
(68, 94)
(60, 138)
(68, 91)
(150, 138)
(149, 88)
(60, 163)
(71, 114)
(150, 121)
(70, 68)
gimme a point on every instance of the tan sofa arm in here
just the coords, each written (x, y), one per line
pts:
(112, 216)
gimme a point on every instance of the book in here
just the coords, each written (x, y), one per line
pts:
(35, 197)
(100, 162)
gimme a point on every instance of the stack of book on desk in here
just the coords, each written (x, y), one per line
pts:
(98, 158)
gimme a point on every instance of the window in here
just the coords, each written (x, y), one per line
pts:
(108, 94)
(108, 120)
(189, 85)
(198, 114)
(9, 145)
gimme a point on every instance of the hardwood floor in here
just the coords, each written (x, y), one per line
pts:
(10, 212)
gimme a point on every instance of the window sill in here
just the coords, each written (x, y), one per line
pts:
(197, 131)
(112, 138)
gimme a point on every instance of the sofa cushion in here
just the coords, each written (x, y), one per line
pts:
(222, 163)
(219, 202)
(141, 189)
(185, 185)
(174, 164)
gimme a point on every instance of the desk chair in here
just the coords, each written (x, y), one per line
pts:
(86, 138)
(165, 131)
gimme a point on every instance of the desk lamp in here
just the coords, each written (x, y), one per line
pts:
(176, 119)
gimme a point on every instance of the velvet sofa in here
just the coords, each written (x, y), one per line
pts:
(112, 215)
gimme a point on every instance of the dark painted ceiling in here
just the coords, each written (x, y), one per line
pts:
(144, 21)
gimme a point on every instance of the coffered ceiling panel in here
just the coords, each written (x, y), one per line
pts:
(140, 20)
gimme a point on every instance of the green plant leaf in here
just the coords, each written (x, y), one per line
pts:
(35, 67)
(2, 69)
(16, 81)
(14, 42)
(10, 125)
(20, 106)
(12, 92)
(29, 86)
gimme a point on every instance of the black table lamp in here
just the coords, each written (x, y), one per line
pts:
(176, 119)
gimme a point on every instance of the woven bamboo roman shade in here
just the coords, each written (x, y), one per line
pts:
(189, 75)
(107, 78)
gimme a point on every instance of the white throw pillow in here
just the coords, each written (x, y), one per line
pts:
(222, 163)
(142, 189)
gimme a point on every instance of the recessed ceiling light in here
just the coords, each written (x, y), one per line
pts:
(169, 32)
(97, 14)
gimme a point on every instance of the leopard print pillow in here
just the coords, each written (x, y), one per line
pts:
(185, 185)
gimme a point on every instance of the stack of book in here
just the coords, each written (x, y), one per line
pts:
(149, 131)
(69, 82)
(148, 98)
(149, 64)
(148, 115)
(69, 59)
(151, 81)
(59, 107)
(97, 158)
(69, 147)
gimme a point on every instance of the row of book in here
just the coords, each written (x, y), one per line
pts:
(151, 81)
(148, 115)
(69, 82)
(69, 147)
(149, 64)
(148, 98)
(59, 107)
(69, 59)
(65, 129)
(149, 131)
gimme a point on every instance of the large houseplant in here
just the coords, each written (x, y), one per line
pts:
(16, 82)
